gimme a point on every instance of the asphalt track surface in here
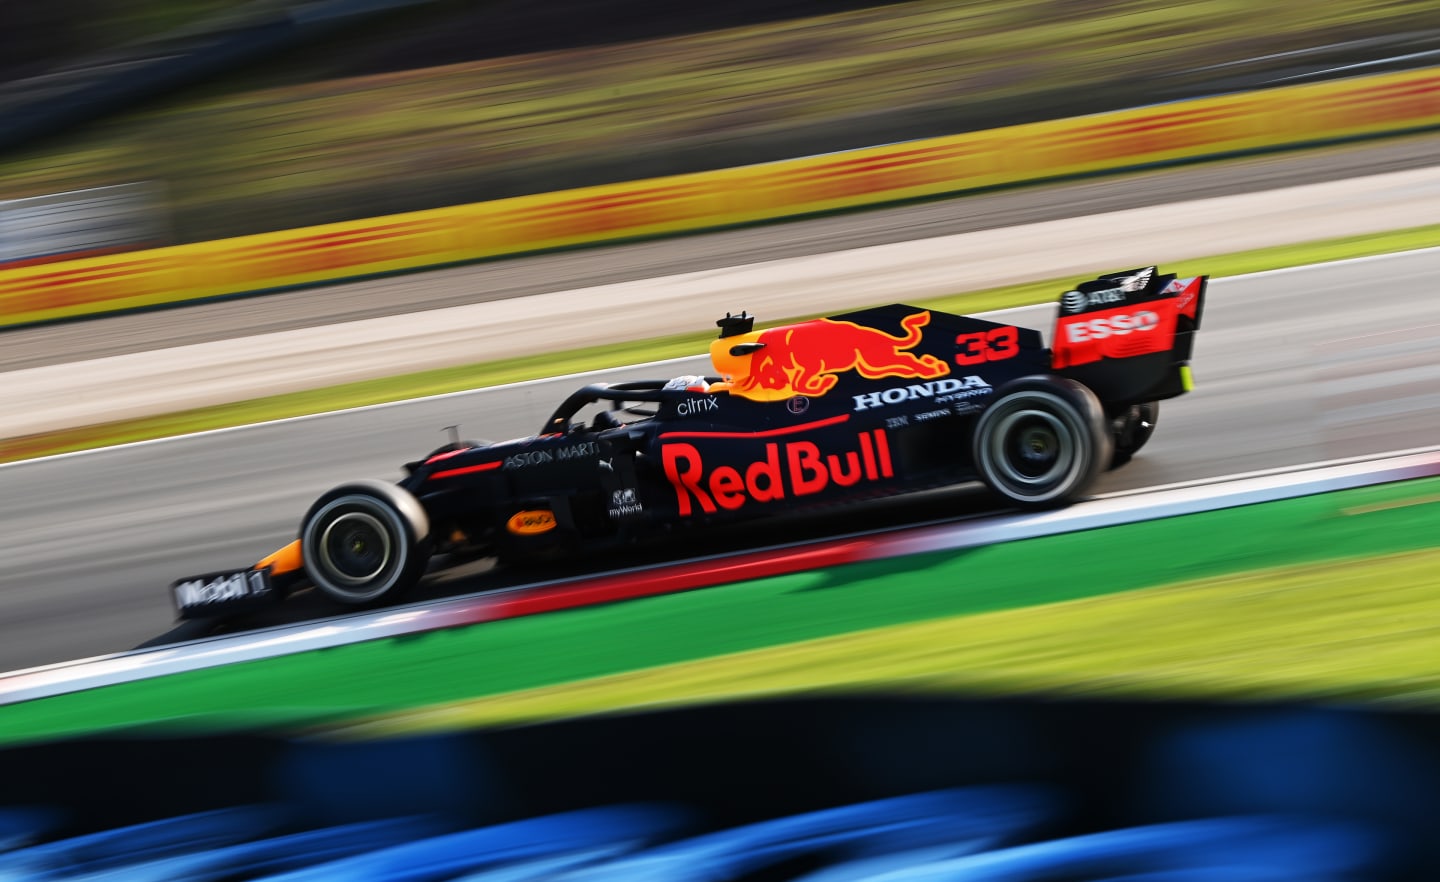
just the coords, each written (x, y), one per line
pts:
(1292, 367)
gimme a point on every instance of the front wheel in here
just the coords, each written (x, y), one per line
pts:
(365, 543)
(1043, 442)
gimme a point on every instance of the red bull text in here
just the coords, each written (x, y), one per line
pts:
(791, 468)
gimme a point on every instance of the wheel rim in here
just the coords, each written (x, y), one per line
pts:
(355, 548)
(1033, 449)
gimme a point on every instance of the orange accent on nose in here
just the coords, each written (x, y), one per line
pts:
(286, 560)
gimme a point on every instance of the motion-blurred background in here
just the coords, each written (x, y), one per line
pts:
(267, 115)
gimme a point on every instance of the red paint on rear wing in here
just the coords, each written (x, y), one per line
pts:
(1139, 325)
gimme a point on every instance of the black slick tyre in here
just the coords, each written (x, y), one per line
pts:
(1043, 442)
(365, 543)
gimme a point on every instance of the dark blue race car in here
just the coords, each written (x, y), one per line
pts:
(877, 402)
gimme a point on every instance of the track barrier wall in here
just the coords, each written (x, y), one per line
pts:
(1191, 130)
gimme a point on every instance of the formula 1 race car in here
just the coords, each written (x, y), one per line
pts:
(877, 402)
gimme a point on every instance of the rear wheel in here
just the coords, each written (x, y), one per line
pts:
(1043, 442)
(1132, 429)
(365, 543)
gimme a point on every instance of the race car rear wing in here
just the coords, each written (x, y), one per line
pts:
(1129, 335)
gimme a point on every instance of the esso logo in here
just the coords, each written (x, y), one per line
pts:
(1111, 326)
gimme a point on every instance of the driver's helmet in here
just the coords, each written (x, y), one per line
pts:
(605, 419)
(689, 383)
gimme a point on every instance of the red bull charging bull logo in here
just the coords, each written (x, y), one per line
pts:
(805, 358)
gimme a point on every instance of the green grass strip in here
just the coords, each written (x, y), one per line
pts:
(1350, 632)
(441, 667)
(494, 373)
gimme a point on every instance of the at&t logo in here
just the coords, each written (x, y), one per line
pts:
(1078, 301)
